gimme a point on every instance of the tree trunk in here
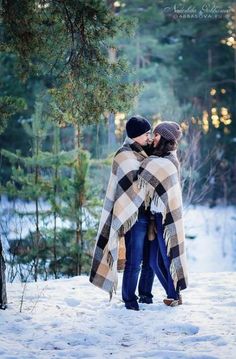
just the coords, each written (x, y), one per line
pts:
(111, 131)
(78, 208)
(36, 261)
(55, 226)
(37, 242)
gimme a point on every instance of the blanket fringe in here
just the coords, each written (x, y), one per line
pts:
(148, 190)
(167, 240)
(110, 260)
(173, 274)
(128, 224)
(115, 283)
(157, 205)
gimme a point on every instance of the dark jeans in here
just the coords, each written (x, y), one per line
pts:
(160, 262)
(137, 252)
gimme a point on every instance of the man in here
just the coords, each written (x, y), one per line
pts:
(3, 294)
(136, 241)
(124, 214)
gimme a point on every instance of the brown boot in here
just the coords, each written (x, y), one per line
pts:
(170, 302)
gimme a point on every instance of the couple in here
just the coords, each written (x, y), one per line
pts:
(143, 203)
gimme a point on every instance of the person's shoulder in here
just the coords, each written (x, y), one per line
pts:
(162, 162)
(124, 150)
(154, 158)
(120, 150)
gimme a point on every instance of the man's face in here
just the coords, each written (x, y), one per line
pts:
(143, 139)
(156, 139)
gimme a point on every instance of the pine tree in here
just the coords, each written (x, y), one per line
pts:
(70, 55)
(27, 181)
(153, 53)
(59, 178)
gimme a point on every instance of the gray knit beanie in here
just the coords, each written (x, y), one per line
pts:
(171, 131)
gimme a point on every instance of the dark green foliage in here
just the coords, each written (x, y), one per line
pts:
(59, 178)
(67, 44)
(71, 55)
(8, 107)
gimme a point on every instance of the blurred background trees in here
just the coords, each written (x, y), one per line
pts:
(72, 72)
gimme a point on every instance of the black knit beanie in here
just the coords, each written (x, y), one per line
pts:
(137, 126)
(171, 131)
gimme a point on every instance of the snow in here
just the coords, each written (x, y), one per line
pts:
(212, 243)
(18, 219)
(70, 318)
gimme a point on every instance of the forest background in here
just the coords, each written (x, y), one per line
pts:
(72, 72)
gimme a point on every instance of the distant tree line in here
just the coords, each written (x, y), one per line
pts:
(71, 73)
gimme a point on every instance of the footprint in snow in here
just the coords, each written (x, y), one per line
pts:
(177, 329)
(205, 338)
(72, 302)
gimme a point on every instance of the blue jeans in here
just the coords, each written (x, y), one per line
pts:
(160, 262)
(137, 253)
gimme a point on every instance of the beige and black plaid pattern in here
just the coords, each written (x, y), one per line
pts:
(158, 182)
(120, 210)
(160, 179)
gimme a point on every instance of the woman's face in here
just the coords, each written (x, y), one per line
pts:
(156, 139)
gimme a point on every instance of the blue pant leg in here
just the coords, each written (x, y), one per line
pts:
(170, 290)
(134, 242)
(156, 262)
(147, 274)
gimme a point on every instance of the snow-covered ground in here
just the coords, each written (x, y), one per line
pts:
(71, 318)
(211, 238)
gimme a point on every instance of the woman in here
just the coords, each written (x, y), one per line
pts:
(159, 176)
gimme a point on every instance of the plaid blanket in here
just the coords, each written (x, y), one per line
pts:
(120, 210)
(160, 179)
(135, 178)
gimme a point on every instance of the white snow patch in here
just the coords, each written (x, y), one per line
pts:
(211, 238)
(71, 318)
